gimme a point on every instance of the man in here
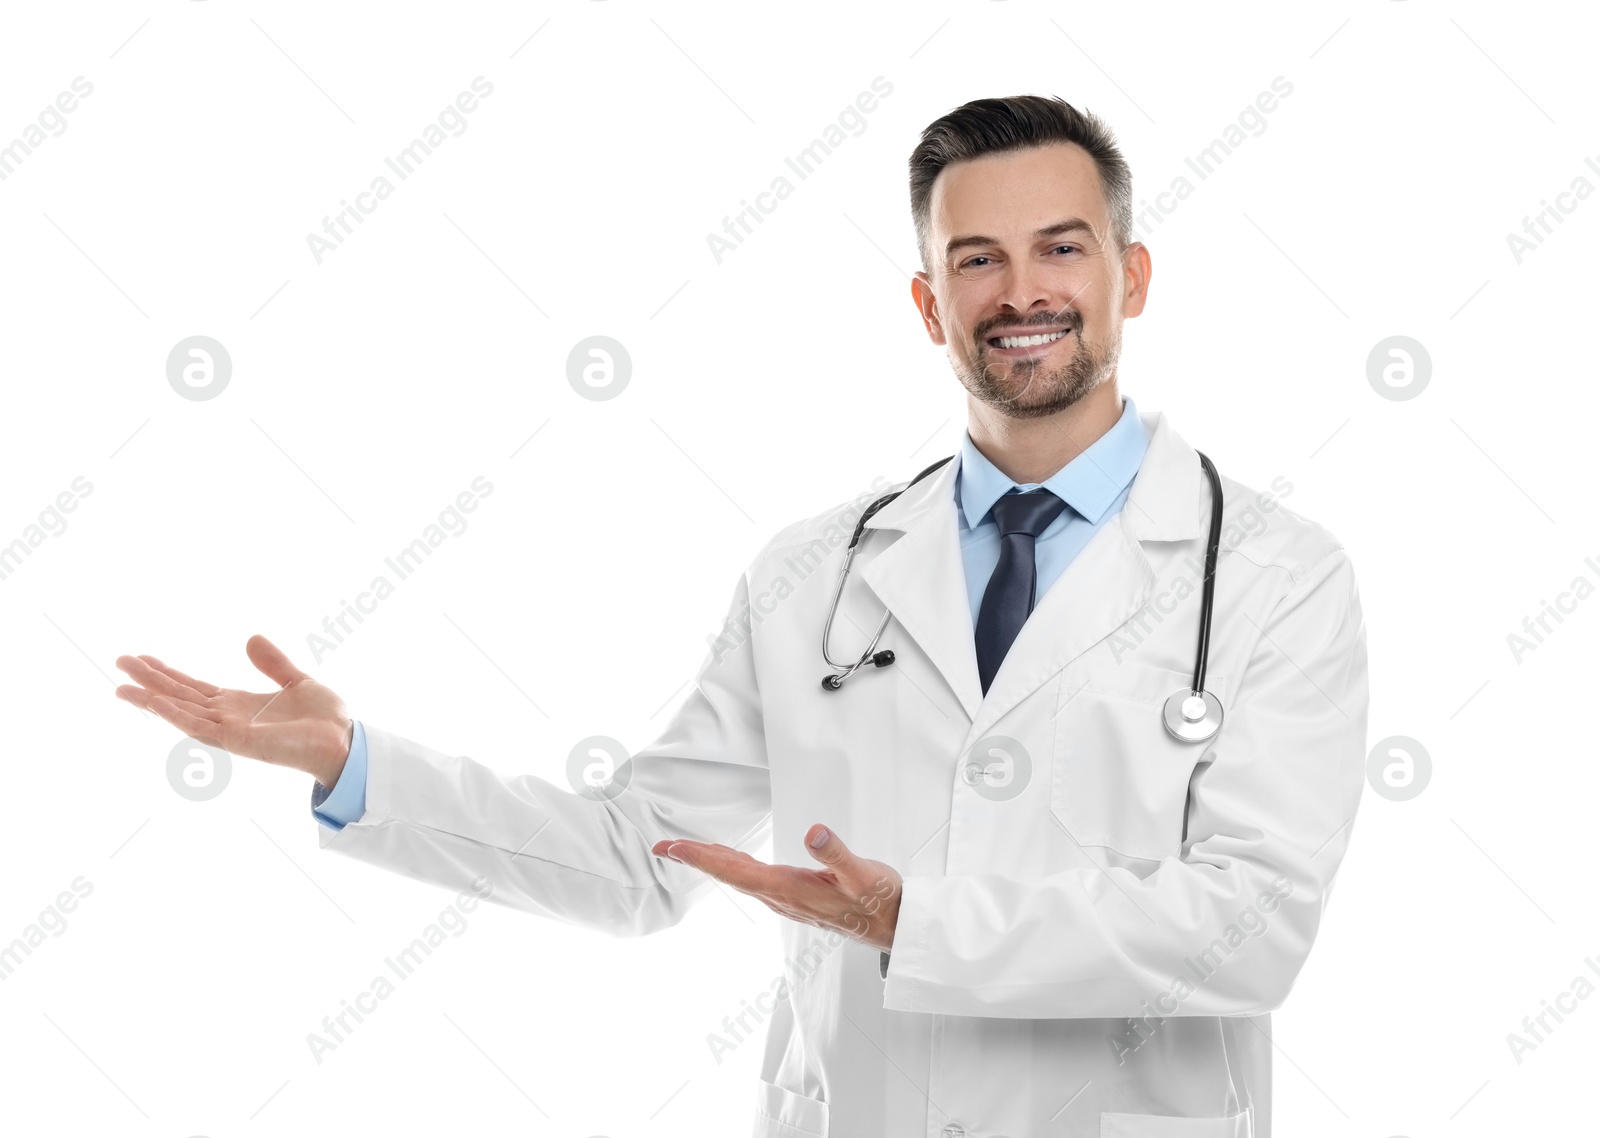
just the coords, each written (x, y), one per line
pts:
(1052, 917)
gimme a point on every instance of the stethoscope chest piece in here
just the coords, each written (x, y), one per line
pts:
(1191, 717)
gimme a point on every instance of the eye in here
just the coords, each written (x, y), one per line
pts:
(971, 262)
(1059, 247)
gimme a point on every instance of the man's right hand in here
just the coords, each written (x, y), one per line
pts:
(302, 725)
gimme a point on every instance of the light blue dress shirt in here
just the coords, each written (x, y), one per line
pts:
(1094, 485)
(347, 801)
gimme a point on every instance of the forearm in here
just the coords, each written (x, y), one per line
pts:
(544, 849)
(1092, 943)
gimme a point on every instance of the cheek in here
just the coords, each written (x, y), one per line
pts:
(958, 335)
(1087, 296)
(1096, 313)
(965, 305)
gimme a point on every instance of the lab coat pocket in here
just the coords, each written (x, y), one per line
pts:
(785, 1114)
(1119, 779)
(1173, 1126)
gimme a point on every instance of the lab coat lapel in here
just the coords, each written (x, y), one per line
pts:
(1110, 579)
(919, 577)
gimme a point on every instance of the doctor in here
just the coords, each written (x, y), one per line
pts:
(1018, 905)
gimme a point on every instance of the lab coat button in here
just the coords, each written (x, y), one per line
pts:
(972, 775)
(953, 1130)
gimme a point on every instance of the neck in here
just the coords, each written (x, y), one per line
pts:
(1031, 450)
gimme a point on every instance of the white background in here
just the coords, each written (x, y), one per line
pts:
(368, 390)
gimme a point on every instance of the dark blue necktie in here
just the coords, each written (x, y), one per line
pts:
(1008, 599)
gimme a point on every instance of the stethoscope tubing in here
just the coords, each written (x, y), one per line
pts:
(1203, 652)
(833, 682)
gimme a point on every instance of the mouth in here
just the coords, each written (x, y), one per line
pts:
(1025, 345)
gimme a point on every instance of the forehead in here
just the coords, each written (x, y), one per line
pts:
(1013, 193)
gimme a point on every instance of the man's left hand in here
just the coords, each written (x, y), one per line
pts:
(856, 896)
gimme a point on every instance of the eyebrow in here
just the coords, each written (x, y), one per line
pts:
(1070, 225)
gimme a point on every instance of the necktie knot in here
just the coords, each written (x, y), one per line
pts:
(1029, 513)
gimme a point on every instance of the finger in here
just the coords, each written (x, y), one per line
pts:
(685, 844)
(269, 659)
(665, 842)
(141, 697)
(731, 867)
(198, 685)
(827, 847)
(140, 669)
(191, 725)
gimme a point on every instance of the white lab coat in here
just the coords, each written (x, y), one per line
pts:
(1055, 900)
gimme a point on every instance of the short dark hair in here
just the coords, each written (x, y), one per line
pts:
(993, 126)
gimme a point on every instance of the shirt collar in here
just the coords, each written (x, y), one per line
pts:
(1089, 483)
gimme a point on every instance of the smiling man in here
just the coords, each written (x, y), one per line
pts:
(1022, 362)
(1019, 899)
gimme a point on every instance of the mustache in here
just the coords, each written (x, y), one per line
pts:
(1068, 317)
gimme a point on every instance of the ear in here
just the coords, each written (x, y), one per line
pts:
(927, 307)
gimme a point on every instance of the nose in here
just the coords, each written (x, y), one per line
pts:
(1030, 289)
(1024, 289)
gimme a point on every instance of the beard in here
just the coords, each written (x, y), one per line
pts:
(1033, 389)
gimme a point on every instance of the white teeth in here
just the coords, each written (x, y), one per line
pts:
(1029, 341)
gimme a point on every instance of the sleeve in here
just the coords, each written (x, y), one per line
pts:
(582, 858)
(1269, 819)
(347, 801)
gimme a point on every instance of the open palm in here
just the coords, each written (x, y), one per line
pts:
(302, 725)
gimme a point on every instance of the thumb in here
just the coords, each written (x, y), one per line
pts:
(269, 659)
(826, 846)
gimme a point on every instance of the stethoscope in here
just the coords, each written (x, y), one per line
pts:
(1190, 716)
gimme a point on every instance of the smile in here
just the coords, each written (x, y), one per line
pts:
(1026, 341)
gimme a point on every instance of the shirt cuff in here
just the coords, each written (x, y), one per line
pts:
(347, 801)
